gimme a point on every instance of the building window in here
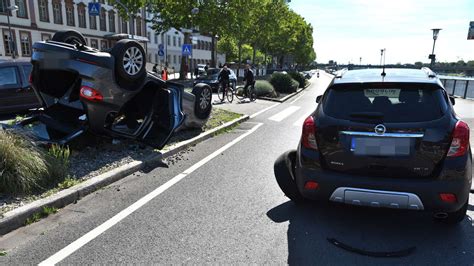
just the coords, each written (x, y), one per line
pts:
(148, 35)
(174, 59)
(156, 37)
(139, 26)
(43, 10)
(179, 41)
(22, 11)
(94, 44)
(102, 22)
(45, 37)
(168, 40)
(174, 40)
(168, 57)
(25, 43)
(9, 46)
(3, 6)
(57, 12)
(92, 22)
(81, 15)
(124, 25)
(103, 44)
(111, 21)
(70, 13)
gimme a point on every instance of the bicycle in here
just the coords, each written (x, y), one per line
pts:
(250, 93)
(226, 92)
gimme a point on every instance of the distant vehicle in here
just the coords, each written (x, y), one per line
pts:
(210, 78)
(16, 94)
(383, 139)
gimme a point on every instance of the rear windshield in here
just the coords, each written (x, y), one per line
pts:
(387, 102)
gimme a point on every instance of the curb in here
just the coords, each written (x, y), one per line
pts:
(284, 99)
(16, 218)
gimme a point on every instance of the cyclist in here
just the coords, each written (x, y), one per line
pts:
(249, 78)
(224, 77)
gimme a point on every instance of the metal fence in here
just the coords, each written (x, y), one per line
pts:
(461, 87)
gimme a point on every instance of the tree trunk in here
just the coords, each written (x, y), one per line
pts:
(213, 51)
(183, 69)
(240, 60)
(254, 53)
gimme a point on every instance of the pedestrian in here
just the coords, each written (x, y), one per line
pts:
(196, 72)
(155, 68)
(224, 79)
(206, 67)
(164, 74)
(249, 79)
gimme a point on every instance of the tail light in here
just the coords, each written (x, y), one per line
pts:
(30, 78)
(91, 94)
(308, 138)
(448, 197)
(460, 142)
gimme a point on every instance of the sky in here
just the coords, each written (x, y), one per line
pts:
(346, 30)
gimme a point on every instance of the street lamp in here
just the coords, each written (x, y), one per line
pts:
(194, 11)
(12, 40)
(381, 55)
(432, 56)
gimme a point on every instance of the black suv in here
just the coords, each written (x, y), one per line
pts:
(383, 138)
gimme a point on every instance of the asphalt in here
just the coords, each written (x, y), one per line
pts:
(230, 210)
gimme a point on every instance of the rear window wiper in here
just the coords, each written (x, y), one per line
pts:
(369, 115)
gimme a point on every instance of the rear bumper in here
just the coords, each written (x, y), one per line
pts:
(388, 192)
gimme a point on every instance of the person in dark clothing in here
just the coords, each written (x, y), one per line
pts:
(155, 68)
(206, 68)
(224, 78)
(249, 78)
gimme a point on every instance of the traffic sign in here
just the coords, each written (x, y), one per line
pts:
(94, 9)
(187, 49)
(161, 53)
(160, 46)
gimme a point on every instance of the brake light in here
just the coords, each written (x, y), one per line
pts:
(311, 185)
(91, 94)
(308, 138)
(460, 142)
(448, 197)
(30, 78)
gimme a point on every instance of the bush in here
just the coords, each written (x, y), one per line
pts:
(24, 167)
(264, 88)
(283, 83)
(298, 77)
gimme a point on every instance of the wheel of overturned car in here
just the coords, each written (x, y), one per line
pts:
(130, 62)
(70, 37)
(203, 102)
(283, 169)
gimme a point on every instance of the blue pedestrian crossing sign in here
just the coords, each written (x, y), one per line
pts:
(161, 53)
(187, 49)
(94, 9)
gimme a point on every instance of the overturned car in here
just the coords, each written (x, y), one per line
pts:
(107, 93)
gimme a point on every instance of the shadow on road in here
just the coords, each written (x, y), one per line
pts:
(377, 230)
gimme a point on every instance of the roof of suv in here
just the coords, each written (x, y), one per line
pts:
(424, 75)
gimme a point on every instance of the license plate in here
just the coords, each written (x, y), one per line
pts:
(381, 146)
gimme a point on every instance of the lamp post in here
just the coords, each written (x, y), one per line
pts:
(381, 55)
(432, 56)
(12, 40)
(194, 11)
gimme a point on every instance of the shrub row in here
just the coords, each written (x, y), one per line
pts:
(283, 83)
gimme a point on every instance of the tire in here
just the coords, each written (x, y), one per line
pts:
(203, 102)
(130, 63)
(283, 169)
(240, 96)
(220, 95)
(230, 95)
(455, 217)
(253, 95)
(70, 37)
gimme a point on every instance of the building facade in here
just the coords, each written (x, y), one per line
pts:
(38, 20)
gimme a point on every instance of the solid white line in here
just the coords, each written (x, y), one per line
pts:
(300, 120)
(264, 110)
(285, 113)
(74, 246)
(297, 98)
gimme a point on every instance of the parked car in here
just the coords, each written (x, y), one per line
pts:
(108, 93)
(16, 94)
(210, 78)
(386, 139)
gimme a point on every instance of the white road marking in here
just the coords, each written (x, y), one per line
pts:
(299, 121)
(264, 110)
(284, 114)
(297, 98)
(74, 246)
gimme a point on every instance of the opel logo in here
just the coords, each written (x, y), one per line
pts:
(380, 129)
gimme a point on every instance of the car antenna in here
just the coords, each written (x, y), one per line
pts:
(383, 66)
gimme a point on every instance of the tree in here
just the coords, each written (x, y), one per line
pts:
(127, 7)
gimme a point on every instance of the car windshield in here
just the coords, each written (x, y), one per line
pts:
(210, 74)
(8, 76)
(396, 103)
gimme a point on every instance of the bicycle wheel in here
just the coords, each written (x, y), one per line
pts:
(239, 93)
(220, 93)
(230, 94)
(252, 94)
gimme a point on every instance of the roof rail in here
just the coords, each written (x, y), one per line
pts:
(429, 72)
(341, 72)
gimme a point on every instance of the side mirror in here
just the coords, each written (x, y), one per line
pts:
(452, 99)
(318, 99)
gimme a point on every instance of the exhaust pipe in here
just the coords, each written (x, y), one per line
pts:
(441, 215)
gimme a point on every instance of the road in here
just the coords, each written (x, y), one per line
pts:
(219, 203)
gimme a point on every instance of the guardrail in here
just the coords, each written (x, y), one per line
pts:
(457, 86)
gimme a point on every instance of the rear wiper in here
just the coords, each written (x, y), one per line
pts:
(373, 115)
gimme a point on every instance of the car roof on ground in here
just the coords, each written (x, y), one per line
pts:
(14, 62)
(391, 75)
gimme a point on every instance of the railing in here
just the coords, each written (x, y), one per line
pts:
(457, 86)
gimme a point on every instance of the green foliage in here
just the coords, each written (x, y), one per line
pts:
(299, 78)
(264, 88)
(133, 7)
(283, 83)
(24, 167)
(45, 212)
(2, 253)
(68, 182)
(228, 46)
